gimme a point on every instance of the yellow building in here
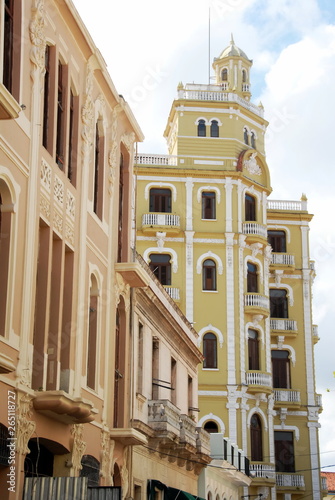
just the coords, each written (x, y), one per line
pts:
(238, 266)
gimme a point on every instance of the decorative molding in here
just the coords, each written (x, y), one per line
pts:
(211, 416)
(128, 140)
(78, 448)
(124, 471)
(113, 152)
(209, 255)
(160, 185)
(288, 428)
(173, 253)
(24, 426)
(45, 208)
(285, 347)
(46, 174)
(209, 188)
(210, 328)
(37, 38)
(87, 112)
(122, 289)
(251, 165)
(59, 190)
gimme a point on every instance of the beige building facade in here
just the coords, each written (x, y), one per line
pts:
(237, 263)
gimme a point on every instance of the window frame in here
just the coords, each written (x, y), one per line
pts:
(252, 278)
(201, 128)
(209, 343)
(279, 303)
(250, 208)
(161, 268)
(214, 129)
(281, 369)
(253, 350)
(12, 46)
(285, 448)
(160, 200)
(208, 212)
(277, 240)
(209, 281)
(256, 438)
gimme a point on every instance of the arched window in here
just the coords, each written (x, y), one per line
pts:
(160, 200)
(256, 439)
(246, 136)
(5, 233)
(250, 208)
(252, 280)
(253, 140)
(224, 75)
(214, 128)
(160, 265)
(244, 76)
(277, 240)
(211, 427)
(98, 177)
(208, 208)
(92, 334)
(281, 369)
(210, 350)
(278, 303)
(90, 469)
(201, 128)
(253, 349)
(209, 275)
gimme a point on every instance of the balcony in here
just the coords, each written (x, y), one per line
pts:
(164, 417)
(263, 473)
(255, 303)
(153, 222)
(173, 292)
(282, 259)
(318, 401)
(287, 397)
(255, 232)
(290, 481)
(288, 205)
(147, 159)
(60, 406)
(286, 326)
(315, 333)
(258, 381)
(133, 274)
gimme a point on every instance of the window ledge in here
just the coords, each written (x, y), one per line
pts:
(210, 370)
(210, 220)
(210, 291)
(9, 107)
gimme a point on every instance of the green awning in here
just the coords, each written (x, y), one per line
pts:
(169, 493)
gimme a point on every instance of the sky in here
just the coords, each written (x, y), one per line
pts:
(150, 46)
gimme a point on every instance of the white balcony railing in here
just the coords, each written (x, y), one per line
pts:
(263, 470)
(255, 229)
(147, 159)
(283, 324)
(155, 219)
(286, 396)
(173, 292)
(316, 331)
(196, 92)
(291, 480)
(290, 205)
(318, 400)
(258, 378)
(283, 259)
(256, 300)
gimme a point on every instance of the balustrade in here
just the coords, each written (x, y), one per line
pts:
(283, 259)
(291, 480)
(263, 470)
(287, 396)
(255, 229)
(258, 378)
(173, 292)
(161, 219)
(256, 300)
(283, 324)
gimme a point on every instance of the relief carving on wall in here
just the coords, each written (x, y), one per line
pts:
(78, 448)
(24, 426)
(252, 166)
(37, 38)
(87, 113)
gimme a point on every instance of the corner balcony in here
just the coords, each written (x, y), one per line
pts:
(290, 482)
(60, 406)
(288, 327)
(287, 397)
(258, 381)
(256, 233)
(164, 418)
(282, 260)
(166, 222)
(263, 473)
(254, 303)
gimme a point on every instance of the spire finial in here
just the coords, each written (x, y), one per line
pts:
(232, 39)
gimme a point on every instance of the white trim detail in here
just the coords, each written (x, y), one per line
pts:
(208, 188)
(210, 329)
(258, 328)
(211, 416)
(253, 260)
(259, 412)
(174, 260)
(273, 227)
(209, 255)
(160, 184)
(201, 118)
(286, 287)
(288, 428)
(215, 118)
(285, 347)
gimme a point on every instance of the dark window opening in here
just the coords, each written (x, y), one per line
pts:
(224, 75)
(252, 279)
(208, 205)
(284, 451)
(250, 208)
(246, 136)
(210, 350)
(39, 462)
(211, 427)
(201, 128)
(160, 200)
(4, 450)
(281, 369)
(160, 265)
(12, 47)
(46, 98)
(98, 173)
(91, 470)
(253, 140)
(60, 117)
(277, 240)
(253, 349)
(244, 76)
(214, 128)
(278, 303)
(209, 275)
(256, 439)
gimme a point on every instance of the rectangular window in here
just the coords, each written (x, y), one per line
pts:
(61, 116)
(277, 240)
(281, 369)
(49, 99)
(98, 172)
(278, 304)
(252, 281)
(250, 208)
(140, 359)
(173, 381)
(73, 139)
(208, 205)
(160, 200)
(12, 47)
(284, 451)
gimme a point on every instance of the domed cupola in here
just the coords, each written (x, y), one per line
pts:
(232, 70)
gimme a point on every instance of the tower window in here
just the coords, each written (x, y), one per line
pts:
(244, 76)
(208, 205)
(214, 128)
(201, 128)
(277, 240)
(224, 75)
(278, 303)
(160, 265)
(246, 136)
(209, 275)
(253, 349)
(210, 350)
(160, 200)
(256, 439)
(281, 369)
(253, 140)
(250, 208)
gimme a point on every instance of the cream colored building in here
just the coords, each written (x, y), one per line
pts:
(237, 263)
(73, 292)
